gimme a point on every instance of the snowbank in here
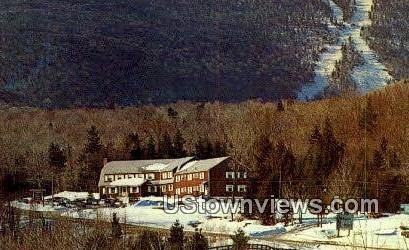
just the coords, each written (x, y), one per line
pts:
(72, 196)
(378, 233)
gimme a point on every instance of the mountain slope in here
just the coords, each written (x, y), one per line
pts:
(74, 53)
(388, 35)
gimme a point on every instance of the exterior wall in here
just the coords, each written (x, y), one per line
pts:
(107, 192)
(190, 186)
(154, 176)
(210, 183)
(167, 189)
(218, 181)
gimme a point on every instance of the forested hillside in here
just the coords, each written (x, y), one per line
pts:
(346, 7)
(90, 53)
(389, 35)
(336, 138)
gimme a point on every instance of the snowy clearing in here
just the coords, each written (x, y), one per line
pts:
(369, 76)
(378, 233)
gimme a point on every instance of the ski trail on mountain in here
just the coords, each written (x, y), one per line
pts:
(372, 74)
(369, 76)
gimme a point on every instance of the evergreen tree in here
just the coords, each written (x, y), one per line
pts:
(172, 113)
(178, 145)
(280, 106)
(177, 236)
(165, 147)
(394, 161)
(219, 149)
(332, 150)
(368, 117)
(284, 162)
(92, 160)
(378, 162)
(198, 241)
(134, 146)
(263, 150)
(209, 151)
(240, 240)
(324, 154)
(147, 240)
(150, 149)
(203, 148)
(93, 144)
(384, 145)
(56, 157)
(116, 227)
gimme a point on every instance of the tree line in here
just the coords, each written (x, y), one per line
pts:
(347, 146)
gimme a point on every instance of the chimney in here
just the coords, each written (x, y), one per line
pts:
(105, 161)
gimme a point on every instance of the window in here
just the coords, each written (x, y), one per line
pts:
(103, 190)
(177, 178)
(194, 189)
(229, 188)
(170, 187)
(150, 176)
(170, 175)
(149, 189)
(135, 190)
(195, 175)
(140, 175)
(242, 188)
(189, 190)
(189, 177)
(229, 175)
(242, 175)
(202, 175)
(177, 190)
(113, 190)
(109, 178)
(164, 175)
(163, 188)
(130, 176)
(201, 188)
(183, 190)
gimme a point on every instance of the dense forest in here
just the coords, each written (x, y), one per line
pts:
(354, 146)
(340, 80)
(89, 53)
(346, 7)
(389, 35)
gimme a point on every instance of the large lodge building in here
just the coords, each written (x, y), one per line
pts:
(216, 178)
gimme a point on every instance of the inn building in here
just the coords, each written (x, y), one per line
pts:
(217, 178)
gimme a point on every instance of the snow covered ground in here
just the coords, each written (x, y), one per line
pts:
(369, 76)
(326, 63)
(380, 233)
(149, 212)
(372, 74)
(377, 233)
